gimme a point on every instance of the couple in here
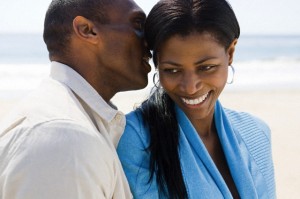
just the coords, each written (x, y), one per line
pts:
(60, 142)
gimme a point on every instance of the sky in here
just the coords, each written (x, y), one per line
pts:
(266, 17)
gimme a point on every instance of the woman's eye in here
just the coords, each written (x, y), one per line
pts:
(207, 68)
(171, 70)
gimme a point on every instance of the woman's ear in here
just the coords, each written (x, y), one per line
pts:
(231, 50)
(85, 29)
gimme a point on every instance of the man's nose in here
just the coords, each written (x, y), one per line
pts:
(147, 50)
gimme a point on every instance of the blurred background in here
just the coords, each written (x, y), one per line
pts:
(267, 64)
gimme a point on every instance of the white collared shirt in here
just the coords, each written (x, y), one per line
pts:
(59, 143)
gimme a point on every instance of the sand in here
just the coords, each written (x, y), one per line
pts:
(279, 109)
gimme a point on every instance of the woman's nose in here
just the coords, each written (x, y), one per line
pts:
(190, 83)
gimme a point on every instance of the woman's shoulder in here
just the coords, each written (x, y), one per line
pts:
(135, 128)
(134, 116)
(255, 134)
(245, 121)
(134, 119)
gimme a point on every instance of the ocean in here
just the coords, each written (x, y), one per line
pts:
(261, 62)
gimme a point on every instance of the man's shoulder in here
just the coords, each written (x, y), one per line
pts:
(50, 104)
(57, 130)
(50, 101)
(65, 132)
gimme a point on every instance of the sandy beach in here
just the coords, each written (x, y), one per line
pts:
(279, 109)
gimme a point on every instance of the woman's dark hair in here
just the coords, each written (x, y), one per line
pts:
(59, 18)
(166, 19)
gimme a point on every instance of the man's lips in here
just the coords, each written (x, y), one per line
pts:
(146, 63)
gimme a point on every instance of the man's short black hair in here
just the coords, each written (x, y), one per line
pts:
(59, 18)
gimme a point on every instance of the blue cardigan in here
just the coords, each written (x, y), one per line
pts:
(246, 143)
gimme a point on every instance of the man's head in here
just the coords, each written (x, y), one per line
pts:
(58, 26)
(103, 40)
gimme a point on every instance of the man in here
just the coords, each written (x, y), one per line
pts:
(60, 142)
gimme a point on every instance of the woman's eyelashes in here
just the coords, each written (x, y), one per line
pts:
(207, 68)
(204, 68)
(171, 70)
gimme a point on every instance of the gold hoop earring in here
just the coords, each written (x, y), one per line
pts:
(231, 76)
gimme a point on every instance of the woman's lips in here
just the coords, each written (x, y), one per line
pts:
(195, 101)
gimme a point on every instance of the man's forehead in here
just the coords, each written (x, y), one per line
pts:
(124, 8)
(139, 12)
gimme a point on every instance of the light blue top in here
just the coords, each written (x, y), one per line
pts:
(244, 139)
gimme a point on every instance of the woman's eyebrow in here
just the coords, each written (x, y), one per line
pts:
(204, 60)
(170, 63)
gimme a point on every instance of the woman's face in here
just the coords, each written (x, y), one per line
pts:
(193, 71)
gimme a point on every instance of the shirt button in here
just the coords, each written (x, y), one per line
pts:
(118, 118)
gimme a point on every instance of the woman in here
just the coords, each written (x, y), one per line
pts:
(181, 142)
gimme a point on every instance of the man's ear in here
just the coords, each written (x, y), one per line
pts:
(231, 50)
(85, 29)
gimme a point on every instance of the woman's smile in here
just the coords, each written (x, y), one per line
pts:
(195, 101)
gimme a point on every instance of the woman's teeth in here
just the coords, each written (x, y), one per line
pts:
(195, 101)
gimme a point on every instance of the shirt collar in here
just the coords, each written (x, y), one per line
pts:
(83, 89)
